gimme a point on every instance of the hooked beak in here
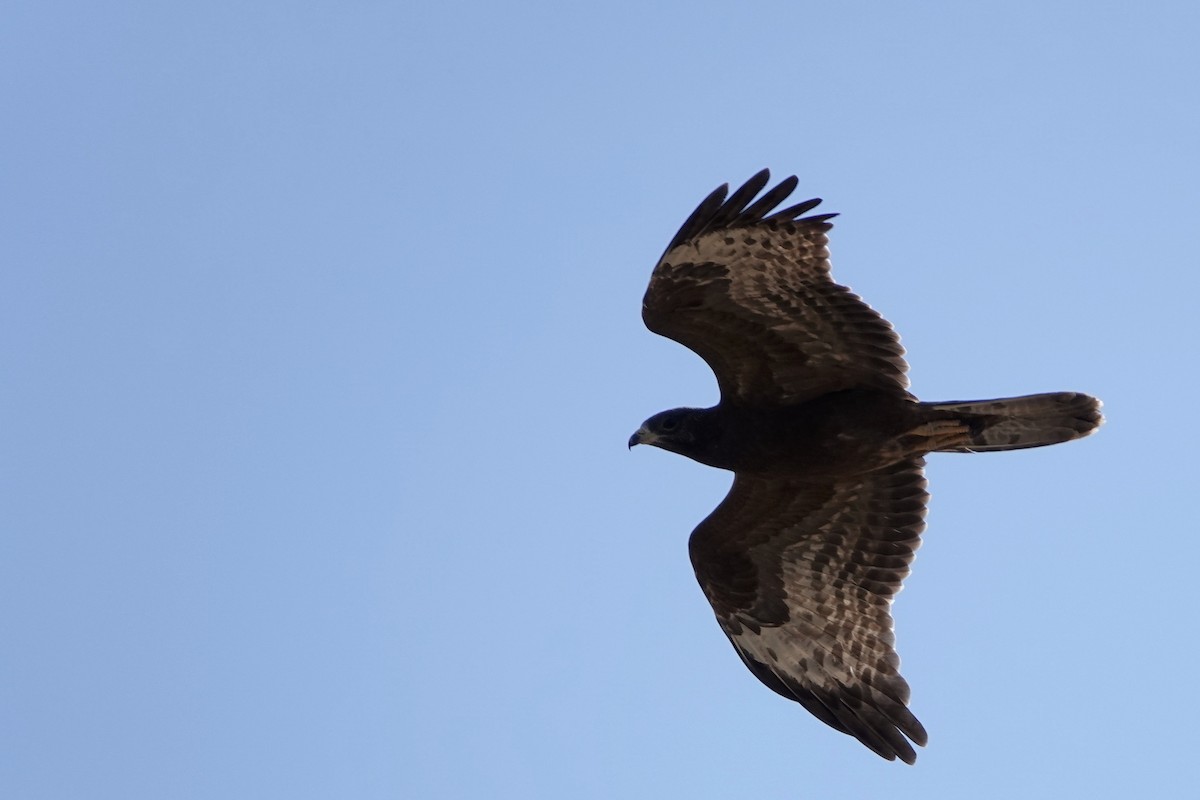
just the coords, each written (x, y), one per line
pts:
(642, 436)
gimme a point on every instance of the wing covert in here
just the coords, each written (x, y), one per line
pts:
(801, 578)
(750, 292)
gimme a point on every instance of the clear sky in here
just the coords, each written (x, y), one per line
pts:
(320, 345)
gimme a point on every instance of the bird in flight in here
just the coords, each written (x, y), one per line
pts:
(803, 557)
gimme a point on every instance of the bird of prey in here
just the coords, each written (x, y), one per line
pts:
(803, 557)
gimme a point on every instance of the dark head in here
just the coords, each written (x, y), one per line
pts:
(686, 431)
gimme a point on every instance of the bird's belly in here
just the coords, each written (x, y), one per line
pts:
(850, 433)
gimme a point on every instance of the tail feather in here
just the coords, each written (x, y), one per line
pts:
(1014, 423)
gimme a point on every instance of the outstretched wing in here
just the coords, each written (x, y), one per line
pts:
(802, 576)
(750, 292)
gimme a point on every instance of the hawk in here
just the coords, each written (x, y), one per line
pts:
(803, 557)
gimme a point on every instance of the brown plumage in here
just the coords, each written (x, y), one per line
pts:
(802, 559)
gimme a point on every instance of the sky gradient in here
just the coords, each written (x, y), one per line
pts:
(320, 336)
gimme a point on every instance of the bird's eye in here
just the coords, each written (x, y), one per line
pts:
(670, 423)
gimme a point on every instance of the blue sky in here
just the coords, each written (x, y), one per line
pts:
(320, 335)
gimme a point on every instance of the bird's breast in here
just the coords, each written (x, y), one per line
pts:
(841, 433)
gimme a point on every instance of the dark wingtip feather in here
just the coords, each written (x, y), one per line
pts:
(696, 223)
(733, 208)
(877, 718)
(772, 198)
(791, 212)
(718, 213)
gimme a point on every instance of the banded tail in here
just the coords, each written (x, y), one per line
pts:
(1014, 423)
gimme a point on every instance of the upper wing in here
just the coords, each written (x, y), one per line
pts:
(802, 577)
(751, 294)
